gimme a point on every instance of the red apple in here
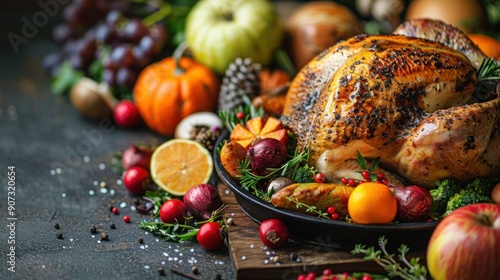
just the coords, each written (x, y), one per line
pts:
(466, 244)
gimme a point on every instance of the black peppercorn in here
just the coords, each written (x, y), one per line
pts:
(57, 226)
(112, 226)
(140, 240)
(59, 236)
(93, 230)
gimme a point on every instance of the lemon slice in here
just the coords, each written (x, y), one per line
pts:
(180, 164)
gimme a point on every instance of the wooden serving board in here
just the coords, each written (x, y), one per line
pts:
(252, 261)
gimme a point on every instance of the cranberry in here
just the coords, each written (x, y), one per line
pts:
(126, 219)
(240, 115)
(351, 182)
(173, 211)
(330, 210)
(136, 180)
(344, 181)
(311, 276)
(273, 233)
(115, 210)
(367, 277)
(210, 236)
(126, 114)
(366, 175)
(327, 272)
(335, 216)
(319, 178)
(380, 175)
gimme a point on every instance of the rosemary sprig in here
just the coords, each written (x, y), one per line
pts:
(309, 208)
(230, 119)
(249, 180)
(404, 269)
(488, 70)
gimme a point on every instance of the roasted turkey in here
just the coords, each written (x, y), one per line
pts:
(406, 100)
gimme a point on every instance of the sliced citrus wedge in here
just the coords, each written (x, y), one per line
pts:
(180, 164)
(256, 129)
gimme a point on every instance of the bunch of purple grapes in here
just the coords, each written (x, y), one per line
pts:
(110, 34)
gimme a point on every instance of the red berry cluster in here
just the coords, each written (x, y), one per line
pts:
(329, 275)
(331, 211)
(367, 178)
(319, 178)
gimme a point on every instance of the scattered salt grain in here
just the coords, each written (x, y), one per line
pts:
(266, 261)
(123, 204)
(63, 195)
(142, 247)
(102, 184)
(243, 258)
(112, 192)
(132, 208)
(251, 246)
(71, 239)
(165, 254)
(103, 190)
(52, 172)
(119, 182)
(227, 192)
(146, 266)
(58, 170)
(96, 183)
(91, 192)
(86, 159)
(102, 166)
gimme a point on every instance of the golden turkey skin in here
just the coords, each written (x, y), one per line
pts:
(398, 98)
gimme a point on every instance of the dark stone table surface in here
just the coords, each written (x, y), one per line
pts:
(60, 161)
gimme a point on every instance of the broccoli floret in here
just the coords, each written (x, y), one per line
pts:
(481, 186)
(304, 174)
(445, 190)
(466, 197)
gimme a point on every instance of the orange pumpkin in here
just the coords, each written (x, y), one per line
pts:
(170, 90)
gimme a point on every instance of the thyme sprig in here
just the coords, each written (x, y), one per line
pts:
(488, 70)
(309, 208)
(403, 269)
(180, 232)
(249, 180)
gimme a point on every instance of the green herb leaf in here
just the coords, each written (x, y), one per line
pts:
(65, 78)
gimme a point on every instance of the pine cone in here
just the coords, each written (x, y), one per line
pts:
(241, 79)
(205, 135)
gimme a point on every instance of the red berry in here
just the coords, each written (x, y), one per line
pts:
(311, 276)
(367, 277)
(240, 115)
(385, 181)
(380, 175)
(210, 236)
(126, 114)
(335, 216)
(330, 210)
(366, 175)
(344, 181)
(327, 272)
(126, 219)
(173, 211)
(301, 277)
(319, 178)
(115, 210)
(351, 182)
(273, 233)
(136, 179)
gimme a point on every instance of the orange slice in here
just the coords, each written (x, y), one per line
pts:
(256, 129)
(180, 164)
